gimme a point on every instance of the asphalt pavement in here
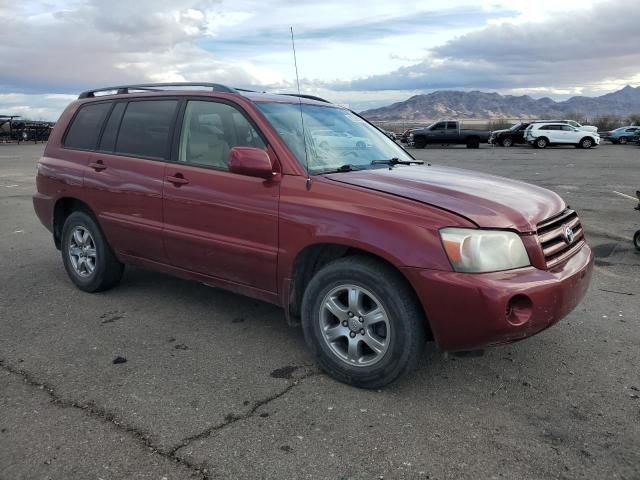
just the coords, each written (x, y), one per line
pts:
(216, 385)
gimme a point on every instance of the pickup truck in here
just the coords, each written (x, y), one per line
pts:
(448, 132)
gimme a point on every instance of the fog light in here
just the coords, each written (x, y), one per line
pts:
(519, 310)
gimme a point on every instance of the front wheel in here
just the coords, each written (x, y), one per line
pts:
(586, 142)
(86, 255)
(362, 321)
(636, 239)
(419, 142)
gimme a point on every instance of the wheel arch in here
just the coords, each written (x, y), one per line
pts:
(314, 257)
(64, 207)
(589, 137)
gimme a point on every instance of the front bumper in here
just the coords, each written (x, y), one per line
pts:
(471, 311)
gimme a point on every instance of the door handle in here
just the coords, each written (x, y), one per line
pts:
(97, 166)
(177, 179)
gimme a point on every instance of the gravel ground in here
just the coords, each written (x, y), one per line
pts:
(217, 386)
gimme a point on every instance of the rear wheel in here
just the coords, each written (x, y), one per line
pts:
(586, 142)
(362, 321)
(507, 142)
(542, 142)
(473, 142)
(622, 140)
(86, 255)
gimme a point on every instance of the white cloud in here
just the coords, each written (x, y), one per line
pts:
(347, 53)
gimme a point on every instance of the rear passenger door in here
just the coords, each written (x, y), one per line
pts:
(553, 133)
(451, 133)
(125, 175)
(219, 223)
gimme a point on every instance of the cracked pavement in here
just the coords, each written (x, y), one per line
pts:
(216, 385)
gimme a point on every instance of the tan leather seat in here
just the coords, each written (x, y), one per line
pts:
(206, 145)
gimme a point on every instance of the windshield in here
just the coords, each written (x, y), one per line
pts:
(516, 127)
(334, 137)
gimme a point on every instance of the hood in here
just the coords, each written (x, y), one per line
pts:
(486, 200)
(495, 132)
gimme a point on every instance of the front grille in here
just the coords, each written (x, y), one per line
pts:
(554, 244)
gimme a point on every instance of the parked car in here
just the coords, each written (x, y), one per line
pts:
(448, 132)
(623, 135)
(586, 128)
(541, 135)
(509, 136)
(370, 252)
(338, 139)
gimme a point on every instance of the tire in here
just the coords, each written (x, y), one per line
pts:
(507, 142)
(623, 140)
(419, 142)
(636, 239)
(586, 142)
(542, 142)
(400, 328)
(473, 142)
(90, 273)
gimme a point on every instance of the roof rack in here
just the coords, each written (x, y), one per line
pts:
(310, 97)
(154, 87)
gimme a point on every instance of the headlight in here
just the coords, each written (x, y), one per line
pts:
(477, 251)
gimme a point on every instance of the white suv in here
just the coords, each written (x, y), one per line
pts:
(541, 135)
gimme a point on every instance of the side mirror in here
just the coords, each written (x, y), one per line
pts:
(252, 162)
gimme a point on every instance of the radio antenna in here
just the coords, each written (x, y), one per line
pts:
(304, 136)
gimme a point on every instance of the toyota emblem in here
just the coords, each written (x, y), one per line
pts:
(568, 234)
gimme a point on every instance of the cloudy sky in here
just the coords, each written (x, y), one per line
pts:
(365, 53)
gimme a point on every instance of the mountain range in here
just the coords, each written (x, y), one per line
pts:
(483, 105)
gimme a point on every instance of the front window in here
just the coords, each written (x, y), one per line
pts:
(333, 137)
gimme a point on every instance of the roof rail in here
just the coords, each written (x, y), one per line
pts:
(154, 87)
(310, 97)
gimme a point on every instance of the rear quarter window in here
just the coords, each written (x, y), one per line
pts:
(86, 125)
(145, 129)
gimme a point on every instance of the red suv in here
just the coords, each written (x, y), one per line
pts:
(304, 204)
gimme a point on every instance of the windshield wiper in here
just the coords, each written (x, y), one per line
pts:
(395, 161)
(347, 167)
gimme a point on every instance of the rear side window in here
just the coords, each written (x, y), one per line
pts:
(145, 128)
(85, 129)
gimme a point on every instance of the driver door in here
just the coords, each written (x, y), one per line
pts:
(220, 223)
(438, 133)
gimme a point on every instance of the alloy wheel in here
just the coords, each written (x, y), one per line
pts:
(82, 252)
(354, 325)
